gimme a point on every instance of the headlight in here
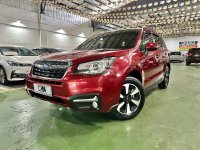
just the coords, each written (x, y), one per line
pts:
(95, 67)
(13, 63)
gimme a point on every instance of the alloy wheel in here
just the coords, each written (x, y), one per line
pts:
(167, 77)
(2, 76)
(130, 99)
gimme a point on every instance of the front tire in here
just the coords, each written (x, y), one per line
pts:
(3, 77)
(165, 82)
(131, 100)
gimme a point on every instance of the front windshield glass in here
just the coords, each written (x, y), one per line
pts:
(111, 40)
(19, 51)
(46, 51)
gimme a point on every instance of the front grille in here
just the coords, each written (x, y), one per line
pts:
(50, 69)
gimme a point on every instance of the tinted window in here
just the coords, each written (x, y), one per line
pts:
(19, 51)
(175, 53)
(111, 40)
(196, 50)
(147, 37)
(157, 40)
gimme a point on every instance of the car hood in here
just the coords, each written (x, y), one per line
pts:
(23, 59)
(83, 56)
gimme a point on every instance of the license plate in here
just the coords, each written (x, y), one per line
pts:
(43, 89)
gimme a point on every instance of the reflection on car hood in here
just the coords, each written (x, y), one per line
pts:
(86, 55)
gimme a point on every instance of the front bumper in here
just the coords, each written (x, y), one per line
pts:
(177, 59)
(86, 93)
(15, 73)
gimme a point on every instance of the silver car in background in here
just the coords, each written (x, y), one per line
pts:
(14, 63)
(177, 56)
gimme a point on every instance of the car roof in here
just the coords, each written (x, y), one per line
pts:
(10, 46)
(131, 29)
(47, 48)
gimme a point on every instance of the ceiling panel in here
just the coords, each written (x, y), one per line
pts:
(168, 17)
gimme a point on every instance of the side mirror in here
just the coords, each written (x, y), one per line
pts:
(151, 46)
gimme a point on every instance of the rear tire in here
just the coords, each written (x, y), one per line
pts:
(165, 82)
(3, 76)
(187, 63)
(131, 100)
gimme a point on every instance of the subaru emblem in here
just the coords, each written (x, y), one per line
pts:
(45, 66)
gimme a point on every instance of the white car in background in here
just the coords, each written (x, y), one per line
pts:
(14, 63)
(177, 56)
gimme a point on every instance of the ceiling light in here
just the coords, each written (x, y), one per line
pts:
(175, 5)
(145, 5)
(194, 1)
(162, 2)
(155, 3)
(18, 24)
(187, 3)
(150, 4)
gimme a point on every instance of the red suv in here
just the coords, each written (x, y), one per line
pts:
(106, 73)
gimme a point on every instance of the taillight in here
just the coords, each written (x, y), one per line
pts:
(189, 54)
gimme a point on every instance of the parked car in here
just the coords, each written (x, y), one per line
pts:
(14, 63)
(177, 56)
(46, 51)
(106, 73)
(193, 56)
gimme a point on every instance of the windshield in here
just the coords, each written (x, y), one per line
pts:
(46, 51)
(16, 51)
(111, 40)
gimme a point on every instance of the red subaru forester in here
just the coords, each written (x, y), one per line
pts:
(106, 73)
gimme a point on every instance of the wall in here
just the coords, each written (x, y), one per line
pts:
(18, 36)
(173, 43)
(39, 32)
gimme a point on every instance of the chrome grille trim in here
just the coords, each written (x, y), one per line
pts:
(50, 69)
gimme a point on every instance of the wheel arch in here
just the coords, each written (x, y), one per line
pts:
(136, 74)
(169, 65)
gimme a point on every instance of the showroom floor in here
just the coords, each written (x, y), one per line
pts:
(170, 120)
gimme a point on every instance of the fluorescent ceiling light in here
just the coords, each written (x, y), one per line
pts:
(18, 24)
(61, 31)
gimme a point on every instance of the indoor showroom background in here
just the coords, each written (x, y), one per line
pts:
(113, 92)
(32, 31)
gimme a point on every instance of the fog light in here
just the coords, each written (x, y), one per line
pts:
(95, 105)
